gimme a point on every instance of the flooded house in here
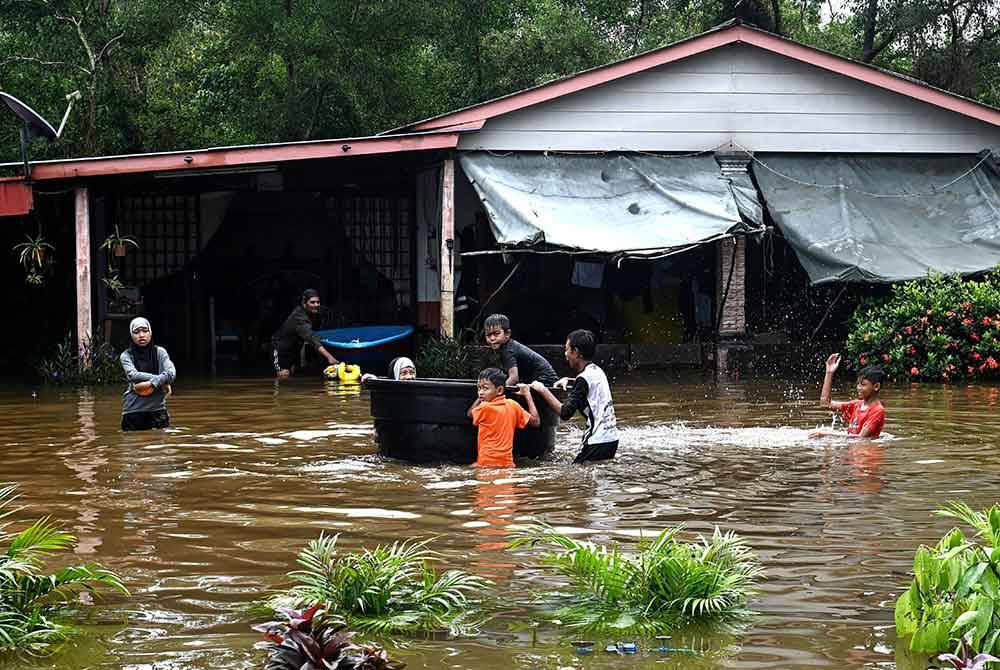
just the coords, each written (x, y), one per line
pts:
(705, 203)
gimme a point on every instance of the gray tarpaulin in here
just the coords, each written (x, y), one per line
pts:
(609, 203)
(858, 234)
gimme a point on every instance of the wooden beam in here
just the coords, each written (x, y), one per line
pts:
(447, 263)
(84, 320)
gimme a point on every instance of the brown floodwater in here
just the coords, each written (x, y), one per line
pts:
(208, 516)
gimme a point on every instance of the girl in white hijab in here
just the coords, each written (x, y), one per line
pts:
(149, 372)
(400, 369)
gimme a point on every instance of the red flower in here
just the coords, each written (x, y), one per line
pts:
(885, 357)
(951, 367)
(911, 351)
(974, 336)
(970, 369)
(898, 337)
(908, 330)
(975, 356)
(863, 360)
(939, 329)
(914, 371)
(944, 376)
(982, 368)
(992, 364)
(924, 320)
(986, 320)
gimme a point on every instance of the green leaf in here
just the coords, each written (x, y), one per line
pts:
(970, 578)
(989, 642)
(905, 624)
(932, 636)
(964, 620)
(984, 616)
(990, 583)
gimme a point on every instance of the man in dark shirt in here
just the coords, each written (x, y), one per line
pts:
(521, 364)
(296, 330)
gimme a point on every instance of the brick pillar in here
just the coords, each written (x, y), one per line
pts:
(734, 310)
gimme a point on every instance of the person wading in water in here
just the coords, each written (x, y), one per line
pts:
(150, 372)
(294, 332)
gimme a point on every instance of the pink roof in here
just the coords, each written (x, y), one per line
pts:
(732, 33)
(234, 157)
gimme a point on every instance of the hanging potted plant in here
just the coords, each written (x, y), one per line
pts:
(33, 255)
(118, 243)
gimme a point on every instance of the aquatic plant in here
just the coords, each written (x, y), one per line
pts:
(32, 601)
(97, 364)
(391, 588)
(312, 640)
(967, 661)
(666, 583)
(955, 592)
(943, 328)
(446, 358)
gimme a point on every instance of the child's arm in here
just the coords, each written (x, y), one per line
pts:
(525, 390)
(547, 396)
(513, 377)
(832, 363)
(476, 404)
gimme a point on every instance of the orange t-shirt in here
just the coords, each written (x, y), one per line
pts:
(858, 418)
(497, 421)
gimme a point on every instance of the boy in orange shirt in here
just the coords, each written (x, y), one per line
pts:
(497, 418)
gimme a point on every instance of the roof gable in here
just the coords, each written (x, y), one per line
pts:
(734, 33)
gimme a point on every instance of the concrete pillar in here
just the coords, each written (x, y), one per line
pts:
(447, 264)
(84, 317)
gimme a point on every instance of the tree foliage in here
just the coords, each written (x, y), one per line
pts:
(168, 74)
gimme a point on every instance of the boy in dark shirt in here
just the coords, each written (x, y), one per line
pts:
(521, 364)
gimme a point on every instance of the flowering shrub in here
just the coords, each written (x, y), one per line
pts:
(942, 328)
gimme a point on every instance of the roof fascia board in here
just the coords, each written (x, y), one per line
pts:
(239, 156)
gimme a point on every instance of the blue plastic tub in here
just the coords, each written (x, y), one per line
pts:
(371, 347)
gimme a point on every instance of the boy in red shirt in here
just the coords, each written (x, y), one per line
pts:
(497, 418)
(864, 416)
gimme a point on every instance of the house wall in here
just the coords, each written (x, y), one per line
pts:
(740, 93)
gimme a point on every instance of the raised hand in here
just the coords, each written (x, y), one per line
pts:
(832, 363)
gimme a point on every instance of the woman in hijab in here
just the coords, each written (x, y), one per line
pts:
(150, 372)
(400, 369)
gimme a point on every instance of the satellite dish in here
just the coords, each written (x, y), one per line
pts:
(33, 125)
(37, 126)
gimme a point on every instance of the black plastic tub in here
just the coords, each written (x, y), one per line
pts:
(426, 421)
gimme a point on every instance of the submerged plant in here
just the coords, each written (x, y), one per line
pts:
(666, 583)
(95, 365)
(32, 600)
(388, 589)
(954, 597)
(312, 640)
(447, 358)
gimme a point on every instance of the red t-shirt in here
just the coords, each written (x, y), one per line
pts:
(497, 421)
(858, 418)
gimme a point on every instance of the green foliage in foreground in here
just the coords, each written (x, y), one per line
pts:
(33, 601)
(97, 365)
(955, 591)
(665, 584)
(943, 328)
(391, 588)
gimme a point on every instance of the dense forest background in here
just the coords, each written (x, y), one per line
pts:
(175, 74)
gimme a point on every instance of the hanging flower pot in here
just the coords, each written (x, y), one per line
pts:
(120, 250)
(32, 253)
(117, 244)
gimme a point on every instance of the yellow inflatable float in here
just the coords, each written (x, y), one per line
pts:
(344, 372)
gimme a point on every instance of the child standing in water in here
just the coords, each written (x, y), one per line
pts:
(521, 364)
(864, 416)
(497, 418)
(591, 395)
(149, 372)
